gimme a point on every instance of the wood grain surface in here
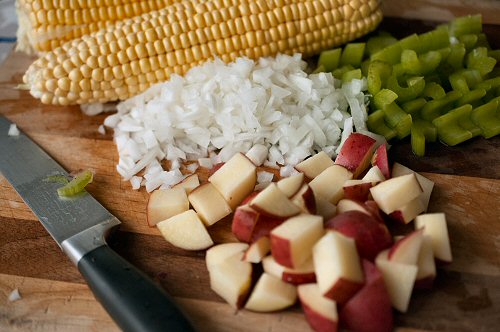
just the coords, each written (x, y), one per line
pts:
(466, 296)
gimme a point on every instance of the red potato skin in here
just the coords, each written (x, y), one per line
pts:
(298, 278)
(343, 290)
(369, 310)
(381, 160)
(281, 251)
(307, 199)
(358, 192)
(371, 236)
(356, 153)
(372, 207)
(244, 222)
(248, 199)
(249, 225)
(317, 322)
(215, 168)
(264, 226)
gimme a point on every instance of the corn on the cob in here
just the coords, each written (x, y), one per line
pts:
(47, 24)
(127, 58)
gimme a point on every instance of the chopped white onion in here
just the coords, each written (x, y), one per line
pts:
(270, 108)
(13, 130)
(14, 295)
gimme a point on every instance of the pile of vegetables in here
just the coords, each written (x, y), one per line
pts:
(439, 85)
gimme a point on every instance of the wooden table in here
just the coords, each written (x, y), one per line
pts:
(466, 295)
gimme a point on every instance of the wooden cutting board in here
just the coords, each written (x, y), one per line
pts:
(54, 296)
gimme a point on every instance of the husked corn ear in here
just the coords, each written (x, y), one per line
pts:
(46, 24)
(127, 58)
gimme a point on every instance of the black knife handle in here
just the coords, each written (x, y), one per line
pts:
(130, 297)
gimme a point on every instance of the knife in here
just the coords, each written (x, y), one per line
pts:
(80, 226)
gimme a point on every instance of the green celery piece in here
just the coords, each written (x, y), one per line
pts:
(482, 41)
(377, 43)
(471, 97)
(391, 54)
(351, 75)
(469, 41)
(428, 129)
(445, 52)
(464, 79)
(378, 73)
(448, 125)
(434, 40)
(340, 71)
(364, 67)
(319, 69)
(353, 54)
(417, 142)
(478, 59)
(486, 117)
(456, 57)
(466, 25)
(420, 65)
(459, 83)
(415, 86)
(433, 90)
(422, 132)
(77, 185)
(413, 106)
(330, 59)
(376, 124)
(412, 42)
(434, 108)
(489, 84)
(495, 54)
(383, 98)
(397, 119)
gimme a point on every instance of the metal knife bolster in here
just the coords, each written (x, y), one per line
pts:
(94, 237)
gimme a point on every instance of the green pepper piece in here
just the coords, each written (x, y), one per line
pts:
(377, 43)
(448, 125)
(466, 25)
(433, 90)
(383, 98)
(415, 86)
(378, 73)
(330, 59)
(434, 108)
(486, 118)
(351, 75)
(414, 106)
(353, 54)
(376, 124)
(76, 185)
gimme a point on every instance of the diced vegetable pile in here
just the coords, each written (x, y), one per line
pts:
(442, 84)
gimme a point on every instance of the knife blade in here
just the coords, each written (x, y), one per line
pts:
(80, 226)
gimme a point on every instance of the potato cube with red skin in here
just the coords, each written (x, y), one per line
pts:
(329, 184)
(292, 241)
(209, 204)
(371, 236)
(381, 160)
(321, 312)
(166, 203)
(337, 266)
(356, 153)
(235, 179)
(313, 166)
(369, 310)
